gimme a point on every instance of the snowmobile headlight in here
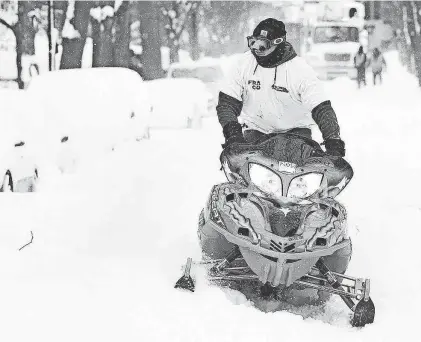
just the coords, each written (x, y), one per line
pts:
(265, 179)
(305, 185)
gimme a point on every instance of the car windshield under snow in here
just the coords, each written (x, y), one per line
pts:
(335, 34)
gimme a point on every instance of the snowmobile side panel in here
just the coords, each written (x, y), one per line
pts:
(213, 244)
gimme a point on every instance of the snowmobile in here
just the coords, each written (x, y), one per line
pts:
(276, 222)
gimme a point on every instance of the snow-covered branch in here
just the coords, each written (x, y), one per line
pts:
(8, 19)
(102, 13)
(69, 31)
(120, 7)
(177, 17)
(5, 23)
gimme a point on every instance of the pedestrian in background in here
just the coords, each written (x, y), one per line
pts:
(360, 63)
(377, 62)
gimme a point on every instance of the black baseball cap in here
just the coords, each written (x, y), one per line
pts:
(270, 28)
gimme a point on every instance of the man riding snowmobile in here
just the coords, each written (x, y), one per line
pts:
(275, 91)
(275, 221)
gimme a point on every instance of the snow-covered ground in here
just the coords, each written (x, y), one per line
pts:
(109, 240)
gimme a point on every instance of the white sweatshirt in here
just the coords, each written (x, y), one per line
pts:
(275, 105)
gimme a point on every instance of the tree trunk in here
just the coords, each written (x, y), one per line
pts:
(194, 36)
(60, 10)
(414, 37)
(174, 48)
(405, 45)
(73, 47)
(102, 37)
(151, 40)
(96, 41)
(25, 37)
(71, 57)
(122, 36)
(19, 53)
(27, 29)
(417, 9)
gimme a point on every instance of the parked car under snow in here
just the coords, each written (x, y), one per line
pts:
(87, 112)
(18, 167)
(178, 103)
(207, 70)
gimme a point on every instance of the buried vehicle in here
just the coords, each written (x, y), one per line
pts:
(276, 223)
(19, 165)
(18, 170)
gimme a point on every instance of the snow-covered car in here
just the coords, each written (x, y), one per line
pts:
(86, 112)
(208, 70)
(178, 103)
(18, 166)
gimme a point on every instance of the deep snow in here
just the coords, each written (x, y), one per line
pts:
(111, 237)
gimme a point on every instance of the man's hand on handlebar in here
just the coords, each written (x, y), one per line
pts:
(335, 147)
(233, 134)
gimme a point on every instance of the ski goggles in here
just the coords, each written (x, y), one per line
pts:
(262, 43)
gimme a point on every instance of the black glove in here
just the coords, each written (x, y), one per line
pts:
(335, 147)
(233, 134)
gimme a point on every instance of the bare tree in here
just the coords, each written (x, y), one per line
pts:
(411, 16)
(176, 14)
(417, 41)
(193, 27)
(121, 50)
(102, 37)
(111, 34)
(149, 15)
(24, 33)
(75, 32)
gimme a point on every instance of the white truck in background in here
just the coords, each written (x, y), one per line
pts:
(334, 31)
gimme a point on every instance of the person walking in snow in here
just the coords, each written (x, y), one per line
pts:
(377, 62)
(360, 63)
(272, 90)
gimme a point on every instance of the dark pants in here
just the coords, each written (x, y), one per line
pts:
(254, 136)
(375, 75)
(361, 76)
